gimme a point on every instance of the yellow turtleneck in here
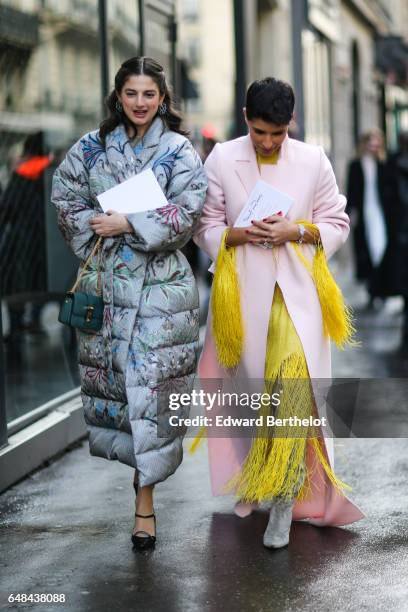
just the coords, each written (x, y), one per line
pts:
(270, 159)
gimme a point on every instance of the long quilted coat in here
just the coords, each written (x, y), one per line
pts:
(148, 344)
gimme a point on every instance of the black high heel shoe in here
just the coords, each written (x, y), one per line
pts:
(146, 541)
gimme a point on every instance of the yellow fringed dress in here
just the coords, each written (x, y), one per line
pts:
(275, 466)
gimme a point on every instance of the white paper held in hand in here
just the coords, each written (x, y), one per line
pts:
(139, 193)
(264, 200)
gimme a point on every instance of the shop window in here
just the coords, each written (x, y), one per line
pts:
(41, 115)
(317, 90)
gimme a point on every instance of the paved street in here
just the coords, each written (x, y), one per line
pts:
(68, 528)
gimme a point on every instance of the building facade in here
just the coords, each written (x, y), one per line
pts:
(206, 44)
(343, 77)
(345, 59)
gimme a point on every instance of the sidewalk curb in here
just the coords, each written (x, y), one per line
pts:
(29, 448)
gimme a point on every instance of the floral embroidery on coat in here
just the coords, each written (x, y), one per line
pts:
(148, 344)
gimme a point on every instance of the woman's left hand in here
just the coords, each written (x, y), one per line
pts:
(275, 230)
(110, 224)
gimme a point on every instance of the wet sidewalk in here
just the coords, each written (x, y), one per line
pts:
(66, 528)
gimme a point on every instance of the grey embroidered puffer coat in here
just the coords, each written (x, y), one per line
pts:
(148, 344)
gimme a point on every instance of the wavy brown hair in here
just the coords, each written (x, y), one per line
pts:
(137, 66)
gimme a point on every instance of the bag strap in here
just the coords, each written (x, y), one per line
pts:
(86, 264)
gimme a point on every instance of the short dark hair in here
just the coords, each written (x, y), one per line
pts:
(270, 100)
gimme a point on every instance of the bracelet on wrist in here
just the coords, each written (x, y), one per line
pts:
(301, 228)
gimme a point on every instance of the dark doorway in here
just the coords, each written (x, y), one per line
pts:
(355, 101)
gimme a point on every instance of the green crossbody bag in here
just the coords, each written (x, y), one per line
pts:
(81, 310)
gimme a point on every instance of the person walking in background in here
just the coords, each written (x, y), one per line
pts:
(397, 268)
(148, 344)
(22, 234)
(372, 206)
(273, 308)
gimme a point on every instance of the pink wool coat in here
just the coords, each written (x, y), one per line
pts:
(303, 172)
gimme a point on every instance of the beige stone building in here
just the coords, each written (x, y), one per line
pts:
(206, 43)
(59, 68)
(327, 49)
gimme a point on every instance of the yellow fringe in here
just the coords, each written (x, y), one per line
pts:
(338, 484)
(228, 329)
(337, 316)
(227, 325)
(197, 440)
(275, 466)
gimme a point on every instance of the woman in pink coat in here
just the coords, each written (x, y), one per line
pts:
(274, 308)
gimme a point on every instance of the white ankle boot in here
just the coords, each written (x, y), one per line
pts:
(280, 519)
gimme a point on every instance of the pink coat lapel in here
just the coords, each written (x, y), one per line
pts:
(246, 166)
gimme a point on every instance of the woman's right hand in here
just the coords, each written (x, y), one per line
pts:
(110, 224)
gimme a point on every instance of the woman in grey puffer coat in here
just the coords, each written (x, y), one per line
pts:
(147, 347)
